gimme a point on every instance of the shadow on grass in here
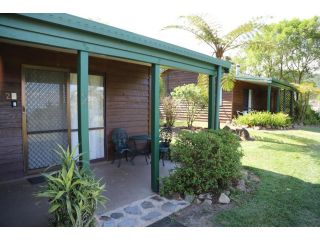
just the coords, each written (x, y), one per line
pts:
(304, 145)
(280, 200)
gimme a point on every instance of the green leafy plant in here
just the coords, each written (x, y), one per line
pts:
(169, 106)
(73, 193)
(303, 112)
(209, 161)
(192, 95)
(264, 119)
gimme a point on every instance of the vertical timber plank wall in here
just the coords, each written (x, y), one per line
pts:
(174, 78)
(127, 98)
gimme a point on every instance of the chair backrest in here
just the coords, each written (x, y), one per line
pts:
(119, 138)
(166, 135)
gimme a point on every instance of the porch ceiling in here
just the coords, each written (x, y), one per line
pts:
(75, 33)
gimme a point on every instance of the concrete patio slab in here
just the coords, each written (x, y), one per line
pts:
(124, 185)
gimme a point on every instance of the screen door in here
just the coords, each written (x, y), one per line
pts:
(45, 110)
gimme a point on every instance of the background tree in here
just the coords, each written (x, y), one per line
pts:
(211, 34)
(287, 50)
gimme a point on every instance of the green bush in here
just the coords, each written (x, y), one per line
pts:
(311, 117)
(209, 161)
(194, 98)
(169, 110)
(264, 119)
(73, 194)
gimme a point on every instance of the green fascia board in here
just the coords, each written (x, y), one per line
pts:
(266, 81)
(46, 29)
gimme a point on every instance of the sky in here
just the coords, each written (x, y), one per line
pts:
(148, 17)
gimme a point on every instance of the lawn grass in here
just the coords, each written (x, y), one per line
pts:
(288, 164)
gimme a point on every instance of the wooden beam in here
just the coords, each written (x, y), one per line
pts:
(211, 104)
(83, 116)
(155, 124)
(217, 98)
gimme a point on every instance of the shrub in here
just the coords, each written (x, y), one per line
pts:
(170, 110)
(192, 95)
(264, 119)
(311, 117)
(209, 160)
(73, 194)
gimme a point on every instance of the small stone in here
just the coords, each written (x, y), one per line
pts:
(168, 207)
(189, 198)
(105, 218)
(227, 193)
(127, 222)
(157, 198)
(202, 196)
(151, 215)
(116, 215)
(208, 201)
(176, 196)
(135, 210)
(244, 174)
(224, 199)
(241, 185)
(198, 201)
(254, 178)
(147, 204)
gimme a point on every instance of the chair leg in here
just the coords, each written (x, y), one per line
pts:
(119, 163)
(146, 157)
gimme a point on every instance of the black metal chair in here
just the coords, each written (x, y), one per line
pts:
(164, 145)
(121, 148)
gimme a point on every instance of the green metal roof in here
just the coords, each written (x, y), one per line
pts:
(72, 32)
(264, 80)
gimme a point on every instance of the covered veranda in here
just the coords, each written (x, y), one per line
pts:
(65, 38)
(85, 37)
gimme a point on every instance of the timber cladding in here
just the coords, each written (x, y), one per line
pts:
(174, 78)
(127, 98)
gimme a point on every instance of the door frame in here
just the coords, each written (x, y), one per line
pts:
(24, 67)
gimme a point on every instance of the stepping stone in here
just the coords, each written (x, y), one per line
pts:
(147, 204)
(127, 222)
(182, 203)
(135, 210)
(105, 218)
(110, 223)
(116, 215)
(168, 207)
(151, 215)
(157, 198)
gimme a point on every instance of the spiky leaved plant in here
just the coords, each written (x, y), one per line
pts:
(73, 193)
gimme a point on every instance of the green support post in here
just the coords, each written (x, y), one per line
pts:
(155, 124)
(278, 99)
(269, 98)
(217, 98)
(291, 103)
(211, 105)
(284, 101)
(83, 118)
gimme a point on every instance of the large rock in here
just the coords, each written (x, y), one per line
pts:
(224, 199)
